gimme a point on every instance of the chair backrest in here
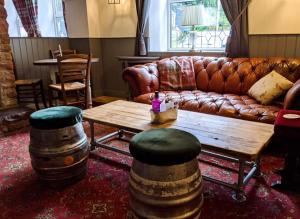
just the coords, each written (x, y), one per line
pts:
(55, 53)
(74, 67)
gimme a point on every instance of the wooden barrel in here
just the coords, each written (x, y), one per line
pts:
(174, 191)
(58, 155)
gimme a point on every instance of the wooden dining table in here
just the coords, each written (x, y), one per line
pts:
(53, 68)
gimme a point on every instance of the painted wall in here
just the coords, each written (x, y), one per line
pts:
(274, 28)
(94, 17)
(98, 19)
(117, 20)
(274, 17)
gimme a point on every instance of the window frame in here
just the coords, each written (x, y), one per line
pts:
(169, 30)
(19, 25)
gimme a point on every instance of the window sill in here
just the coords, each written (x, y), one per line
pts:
(216, 53)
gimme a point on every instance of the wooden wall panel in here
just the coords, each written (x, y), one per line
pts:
(260, 46)
(16, 49)
(297, 47)
(97, 68)
(274, 45)
(112, 67)
(107, 75)
(27, 50)
(290, 45)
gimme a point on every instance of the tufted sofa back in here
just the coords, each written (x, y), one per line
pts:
(221, 75)
(236, 76)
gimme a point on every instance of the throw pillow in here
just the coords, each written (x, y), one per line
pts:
(176, 74)
(269, 87)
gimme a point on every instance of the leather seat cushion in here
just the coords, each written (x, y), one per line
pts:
(56, 117)
(164, 147)
(230, 105)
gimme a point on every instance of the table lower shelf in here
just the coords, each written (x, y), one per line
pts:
(243, 176)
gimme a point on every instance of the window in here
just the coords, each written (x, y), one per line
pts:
(15, 28)
(211, 29)
(59, 21)
(50, 19)
(168, 32)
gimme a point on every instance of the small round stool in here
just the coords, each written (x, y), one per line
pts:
(165, 179)
(58, 145)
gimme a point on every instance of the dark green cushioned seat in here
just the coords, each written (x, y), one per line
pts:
(163, 147)
(56, 117)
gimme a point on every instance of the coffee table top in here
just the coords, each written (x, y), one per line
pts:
(240, 138)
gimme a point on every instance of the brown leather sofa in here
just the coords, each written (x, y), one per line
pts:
(222, 86)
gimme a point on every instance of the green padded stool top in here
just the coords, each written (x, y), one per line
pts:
(163, 147)
(55, 117)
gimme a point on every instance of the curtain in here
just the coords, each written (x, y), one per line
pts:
(64, 13)
(28, 12)
(236, 13)
(142, 8)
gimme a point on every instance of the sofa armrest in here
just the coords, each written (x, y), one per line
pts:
(141, 79)
(292, 98)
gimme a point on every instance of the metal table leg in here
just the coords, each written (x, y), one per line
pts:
(93, 142)
(120, 133)
(258, 172)
(243, 178)
(239, 191)
(102, 141)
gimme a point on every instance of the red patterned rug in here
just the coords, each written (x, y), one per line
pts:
(103, 193)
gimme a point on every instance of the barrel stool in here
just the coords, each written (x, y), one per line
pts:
(58, 147)
(165, 179)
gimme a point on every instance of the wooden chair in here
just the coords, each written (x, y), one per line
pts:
(74, 74)
(29, 90)
(55, 53)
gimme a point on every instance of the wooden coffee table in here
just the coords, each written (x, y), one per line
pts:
(225, 138)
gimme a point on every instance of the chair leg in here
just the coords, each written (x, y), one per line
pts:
(77, 95)
(18, 95)
(64, 96)
(35, 97)
(43, 94)
(85, 99)
(50, 98)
